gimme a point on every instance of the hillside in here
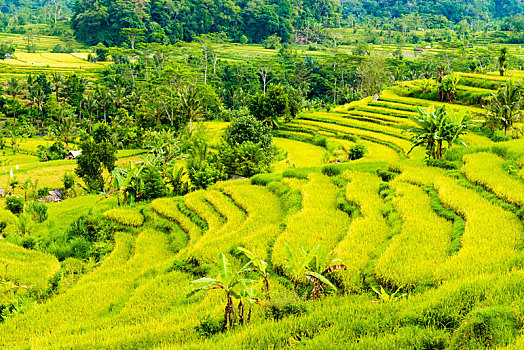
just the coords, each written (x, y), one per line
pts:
(433, 254)
(454, 11)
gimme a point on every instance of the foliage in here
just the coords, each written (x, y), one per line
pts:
(37, 210)
(56, 151)
(504, 107)
(234, 285)
(14, 204)
(94, 158)
(438, 129)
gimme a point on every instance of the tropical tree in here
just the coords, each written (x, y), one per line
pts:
(190, 105)
(438, 129)
(57, 82)
(502, 61)
(505, 106)
(67, 129)
(233, 284)
(14, 88)
(447, 87)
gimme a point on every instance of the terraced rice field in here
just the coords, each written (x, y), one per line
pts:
(451, 240)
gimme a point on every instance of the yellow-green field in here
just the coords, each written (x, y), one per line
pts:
(432, 255)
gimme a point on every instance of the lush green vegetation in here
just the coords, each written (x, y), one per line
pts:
(327, 186)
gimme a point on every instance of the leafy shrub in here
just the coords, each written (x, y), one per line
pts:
(208, 327)
(248, 129)
(357, 152)
(43, 192)
(246, 159)
(153, 184)
(264, 179)
(14, 204)
(68, 180)
(47, 153)
(37, 210)
(386, 175)
(282, 306)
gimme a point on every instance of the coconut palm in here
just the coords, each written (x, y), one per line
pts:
(505, 106)
(57, 82)
(190, 105)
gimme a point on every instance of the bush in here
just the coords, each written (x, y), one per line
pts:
(153, 184)
(357, 152)
(248, 129)
(14, 204)
(246, 159)
(282, 306)
(47, 153)
(209, 327)
(38, 211)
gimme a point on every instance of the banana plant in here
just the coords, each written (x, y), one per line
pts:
(231, 283)
(297, 264)
(323, 262)
(249, 296)
(127, 183)
(260, 267)
(313, 265)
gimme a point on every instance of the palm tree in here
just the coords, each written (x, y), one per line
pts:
(104, 98)
(57, 81)
(89, 106)
(190, 105)
(67, 130)
(505, 107)
(37, 97)
(14, 88)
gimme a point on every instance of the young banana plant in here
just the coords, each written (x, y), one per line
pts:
(230, 282)
(260, 267)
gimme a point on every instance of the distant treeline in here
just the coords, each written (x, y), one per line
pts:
(168, 21)
(453, 10)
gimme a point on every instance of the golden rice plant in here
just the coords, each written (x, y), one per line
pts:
(366, 233)
(486, 169)
(127, 217)
(318, 222)
(491, 238)
(423, 245)
(169, 209)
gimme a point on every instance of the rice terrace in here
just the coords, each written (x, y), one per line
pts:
(263, 174)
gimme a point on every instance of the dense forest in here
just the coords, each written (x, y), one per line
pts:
(168, 21)
(454, 11)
